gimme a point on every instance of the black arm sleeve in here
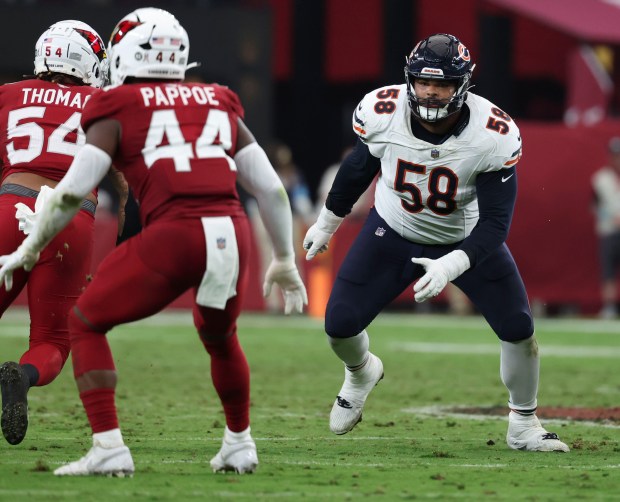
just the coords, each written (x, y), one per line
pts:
(355, 175)
(497, 193)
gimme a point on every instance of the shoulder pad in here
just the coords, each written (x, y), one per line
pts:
(376, 111)
(501, 131)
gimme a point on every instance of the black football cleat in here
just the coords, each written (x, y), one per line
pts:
(14, 384)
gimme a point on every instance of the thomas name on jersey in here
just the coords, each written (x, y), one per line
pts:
(169, 95)
(65, 97)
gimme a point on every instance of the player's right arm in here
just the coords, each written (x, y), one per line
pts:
(354, 176)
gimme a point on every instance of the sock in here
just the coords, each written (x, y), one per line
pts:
(352, 351)
(32, 373)
(231, 378)
(100, 409)
(519, 370)
(108, 439)
(234, 437)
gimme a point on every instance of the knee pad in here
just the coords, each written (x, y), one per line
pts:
(516, 328)
(342, 321)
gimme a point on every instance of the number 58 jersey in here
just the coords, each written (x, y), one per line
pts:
(176, 146)
(427, 192)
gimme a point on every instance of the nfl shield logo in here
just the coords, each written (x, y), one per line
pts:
(221, 243)
(434, 153)
(380, 231)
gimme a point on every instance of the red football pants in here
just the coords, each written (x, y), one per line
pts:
(54, 285)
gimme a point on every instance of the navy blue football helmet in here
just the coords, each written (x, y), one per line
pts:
(443, 57)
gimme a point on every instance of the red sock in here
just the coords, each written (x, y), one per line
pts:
(100, 409)
(231, 378)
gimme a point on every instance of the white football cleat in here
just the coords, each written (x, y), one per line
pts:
(525, 433)
(347, 409)
(237, 454)
(115, 462)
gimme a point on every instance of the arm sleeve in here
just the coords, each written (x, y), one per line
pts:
(355, 175)
(497, 193)
(256, 175)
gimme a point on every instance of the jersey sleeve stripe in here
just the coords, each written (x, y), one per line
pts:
(513, 161)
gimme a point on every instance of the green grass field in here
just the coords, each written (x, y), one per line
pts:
(409, 446)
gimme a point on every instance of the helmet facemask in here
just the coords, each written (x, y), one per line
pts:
(433, 109)
(439, 57)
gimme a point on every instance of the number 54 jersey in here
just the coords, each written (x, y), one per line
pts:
(40, 123)
(176, 146)
(427, 192)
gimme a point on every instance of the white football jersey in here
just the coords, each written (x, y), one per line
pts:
(426, 192)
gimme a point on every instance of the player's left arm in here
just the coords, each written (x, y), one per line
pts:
(258, 177)
(497, 194)
(496, 190)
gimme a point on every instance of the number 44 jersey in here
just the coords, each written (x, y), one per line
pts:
(176, 146)
(427, 192)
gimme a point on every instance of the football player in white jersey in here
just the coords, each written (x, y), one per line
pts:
(444, 201)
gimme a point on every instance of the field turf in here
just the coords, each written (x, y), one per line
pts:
(413, 443)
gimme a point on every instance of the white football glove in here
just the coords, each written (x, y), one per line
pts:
(438, 273)
(10, 262)
(26, 217)
(318, 235)
(284, 273)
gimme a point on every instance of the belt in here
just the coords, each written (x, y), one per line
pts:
(14, 189)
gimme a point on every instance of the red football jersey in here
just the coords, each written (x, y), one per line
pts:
(40, 123)
(176, 146)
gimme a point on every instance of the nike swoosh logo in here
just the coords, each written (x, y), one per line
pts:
(504, 180)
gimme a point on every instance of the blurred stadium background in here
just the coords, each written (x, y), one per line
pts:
(300, 67)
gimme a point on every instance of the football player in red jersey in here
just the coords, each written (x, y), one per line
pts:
(182, 148)
(41, 134)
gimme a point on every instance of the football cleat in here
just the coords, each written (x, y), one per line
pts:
(525, 433)
(113, 462)
(347, 409)
(237, 454)
(14, 384)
